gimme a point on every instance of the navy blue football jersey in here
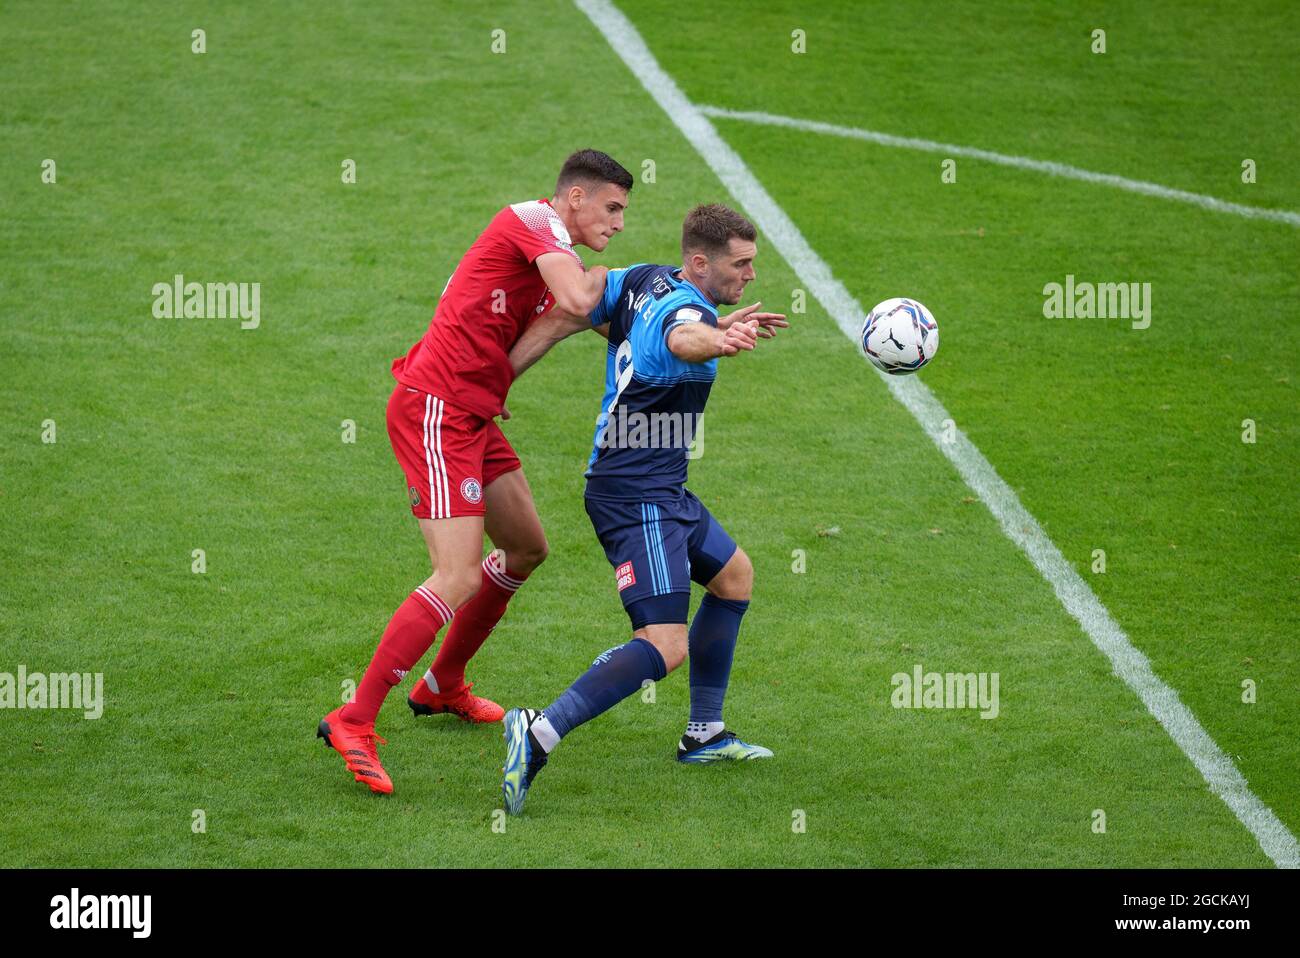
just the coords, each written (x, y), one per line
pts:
(653, 403)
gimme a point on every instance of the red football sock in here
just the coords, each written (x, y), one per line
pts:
(474, 621)
(410, 632)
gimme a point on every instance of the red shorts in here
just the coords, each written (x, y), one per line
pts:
(448, 455)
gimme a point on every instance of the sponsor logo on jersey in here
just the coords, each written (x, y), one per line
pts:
(624, 576)
(559, 232)
(689, 315)
(471, 491)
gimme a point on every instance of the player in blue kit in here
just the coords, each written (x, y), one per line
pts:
(665, 338)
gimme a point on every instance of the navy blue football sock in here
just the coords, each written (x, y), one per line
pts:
(712, 643)
(614, 676)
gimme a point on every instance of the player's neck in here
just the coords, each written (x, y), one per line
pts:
(568, 218)
(685, 274)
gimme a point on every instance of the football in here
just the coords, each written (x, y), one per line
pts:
(900, 336)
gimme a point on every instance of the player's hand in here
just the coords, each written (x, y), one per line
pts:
(739, 336)
(768, 323)
(505, 413)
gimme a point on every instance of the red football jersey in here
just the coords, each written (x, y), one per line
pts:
(494, 293)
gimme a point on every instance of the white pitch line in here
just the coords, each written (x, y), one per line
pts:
(1019, 162)
(1079, 600)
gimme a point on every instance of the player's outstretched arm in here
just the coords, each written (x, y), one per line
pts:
(576, 291)
(700, 342)
(768, 323)
(543, 333)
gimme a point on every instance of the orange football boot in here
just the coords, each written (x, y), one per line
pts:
(356, 743)
(463, 703)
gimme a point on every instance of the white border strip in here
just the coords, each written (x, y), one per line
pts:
(1129, 664)
(1019, 162)
(435, 510)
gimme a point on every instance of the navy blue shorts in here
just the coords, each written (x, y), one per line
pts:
(657, 549)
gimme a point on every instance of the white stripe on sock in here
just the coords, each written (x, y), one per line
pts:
(545, 733)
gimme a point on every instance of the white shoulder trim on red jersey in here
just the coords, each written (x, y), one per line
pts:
(542, 221)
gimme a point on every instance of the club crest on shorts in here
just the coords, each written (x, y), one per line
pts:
(415, 496)
(471, 491)
(624, 576)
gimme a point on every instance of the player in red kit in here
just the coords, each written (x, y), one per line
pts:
(462, 477)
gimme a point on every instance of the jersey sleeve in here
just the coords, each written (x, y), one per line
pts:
(605, 309)
(534, 228)
(687, 312)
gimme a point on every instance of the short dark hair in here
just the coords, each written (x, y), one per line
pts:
(594, 167)
(708, 229)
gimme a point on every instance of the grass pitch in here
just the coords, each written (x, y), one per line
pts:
(184, 434)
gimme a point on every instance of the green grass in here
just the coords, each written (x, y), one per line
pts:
(176, 435)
